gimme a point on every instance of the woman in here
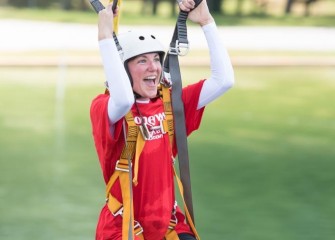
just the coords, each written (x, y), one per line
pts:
(132, 89)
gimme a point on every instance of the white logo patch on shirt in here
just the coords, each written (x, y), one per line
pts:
(152, 126)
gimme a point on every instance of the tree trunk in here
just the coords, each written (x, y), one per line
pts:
(288, 6)
(154, 7)
(66, 4)
(173, 7)
(307, 6)
(31, 3)
(19, 3)
(84, 5)
(215, 6)
(238, 10)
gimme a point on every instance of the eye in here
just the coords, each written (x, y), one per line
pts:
(142, 60)
(157, 58)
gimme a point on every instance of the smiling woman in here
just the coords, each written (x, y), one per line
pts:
(134, 128)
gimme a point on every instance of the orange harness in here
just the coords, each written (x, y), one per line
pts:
(130, 155)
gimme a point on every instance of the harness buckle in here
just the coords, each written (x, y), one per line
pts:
(121, 166)
(180, 49)
(118, 212)
(161, 126)
(137, 228)
(166, 79)
(144, 131)
(173, 222)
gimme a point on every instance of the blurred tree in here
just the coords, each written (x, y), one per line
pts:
(289, 3)
(215, 6)
(259, 7)
(18, 3)
(84, 5)
(154, 6)
(30, 3)
(238, 10)
(66, 4)
(63, 4)
(75, 4)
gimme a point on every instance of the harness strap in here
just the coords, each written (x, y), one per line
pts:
(164, 92)
(188, 215)
(171, 66)
(134, 145)
(171, 234)
(123, 168)
(116, 19)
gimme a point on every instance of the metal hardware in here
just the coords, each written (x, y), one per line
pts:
(121, 169)
(180, 49)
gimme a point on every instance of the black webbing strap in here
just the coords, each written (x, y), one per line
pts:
(179, 43)
(179, 38)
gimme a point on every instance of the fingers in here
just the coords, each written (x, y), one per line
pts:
(186, 5)
(116, 12)
(109, 10)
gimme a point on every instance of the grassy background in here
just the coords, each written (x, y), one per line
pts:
(262, 161)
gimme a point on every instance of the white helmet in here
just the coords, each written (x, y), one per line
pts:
(135, 43)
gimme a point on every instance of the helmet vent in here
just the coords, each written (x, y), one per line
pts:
(152, 36)
(141, 37)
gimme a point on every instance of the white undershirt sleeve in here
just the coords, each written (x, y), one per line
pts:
(222, 73)
(121, 94)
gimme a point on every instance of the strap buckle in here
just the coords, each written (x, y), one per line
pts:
(144, 131)
(124, 167)
(180, 49)
(118, 212)
(137, 228)
(166, 79)
(173, 222)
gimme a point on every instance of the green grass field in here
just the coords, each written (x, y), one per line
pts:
(262, 162)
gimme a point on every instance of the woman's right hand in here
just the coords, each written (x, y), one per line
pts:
(105, 23)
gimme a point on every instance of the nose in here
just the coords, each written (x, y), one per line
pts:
(154, 66)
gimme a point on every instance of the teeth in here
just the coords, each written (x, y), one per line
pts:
(150, 78)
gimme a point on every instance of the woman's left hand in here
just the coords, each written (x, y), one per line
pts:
(201, 14)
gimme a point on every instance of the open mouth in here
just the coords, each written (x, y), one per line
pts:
(150, 80)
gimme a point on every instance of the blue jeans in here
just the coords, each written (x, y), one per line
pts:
(186, 236)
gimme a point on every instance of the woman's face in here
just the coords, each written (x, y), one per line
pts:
(145, 70)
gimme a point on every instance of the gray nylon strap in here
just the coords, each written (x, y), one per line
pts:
(180, 131)
(171, 66)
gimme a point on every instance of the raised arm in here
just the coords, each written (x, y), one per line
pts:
(121, 95)
(222, 73)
